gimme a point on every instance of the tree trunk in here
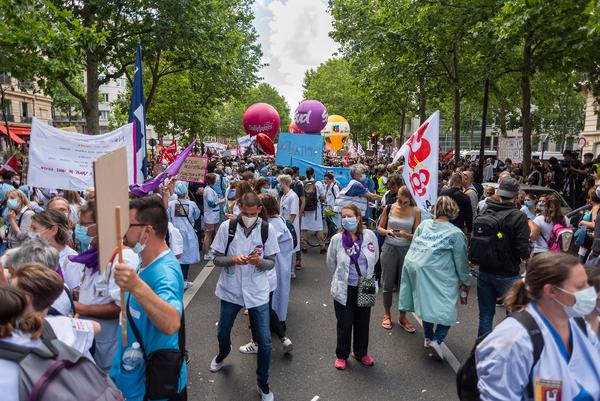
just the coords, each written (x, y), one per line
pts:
(486, 92)
(422, 100)
(402, 127)
(456, 123)
(526, 105)
(92, 114)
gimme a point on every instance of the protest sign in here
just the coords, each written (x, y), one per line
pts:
(193, 169)
(421, 156)
(64, 160)
(342, 174)
(111, 187)
(510, 148)
(302, 146)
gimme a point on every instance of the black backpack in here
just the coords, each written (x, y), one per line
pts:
(264, 232)
(466, 376)
(489, 243)
(310, 192)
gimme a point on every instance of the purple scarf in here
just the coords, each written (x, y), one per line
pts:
(351, 246)
(88, 258)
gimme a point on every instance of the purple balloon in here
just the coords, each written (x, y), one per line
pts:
(311, 116)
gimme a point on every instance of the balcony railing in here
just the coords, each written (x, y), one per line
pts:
(26, 119)
(9, 117)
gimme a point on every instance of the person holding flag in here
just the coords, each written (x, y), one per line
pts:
(137, 116)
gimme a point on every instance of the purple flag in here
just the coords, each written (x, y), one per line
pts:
(172, 170)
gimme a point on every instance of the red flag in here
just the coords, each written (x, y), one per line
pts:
(11, 165)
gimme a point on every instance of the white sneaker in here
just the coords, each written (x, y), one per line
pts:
(287, 345)
(215, 366)
(265, 397)
(250, 348)
(437, 350)
(293, 274)
(208, 257)
(187, 285)
(427, 343)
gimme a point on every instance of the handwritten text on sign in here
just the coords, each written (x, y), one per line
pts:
(510, 148)
(193, 169)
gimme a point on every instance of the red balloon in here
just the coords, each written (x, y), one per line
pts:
(293, 128)
(265, 144)
(261, 118)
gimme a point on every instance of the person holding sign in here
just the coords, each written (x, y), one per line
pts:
(154, 308)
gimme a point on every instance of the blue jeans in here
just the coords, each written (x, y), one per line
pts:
(260, 316)
(490, 287)
(440, 333)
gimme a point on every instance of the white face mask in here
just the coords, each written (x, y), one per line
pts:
(138, 248)
(249, 221)
(585, 302)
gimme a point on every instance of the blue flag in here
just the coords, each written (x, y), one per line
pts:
(137, 115)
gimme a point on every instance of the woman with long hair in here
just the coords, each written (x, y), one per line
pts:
(398, 223)
(352, 254)
(543, 225)
(435, 267)
(554, 291)
(19, 217)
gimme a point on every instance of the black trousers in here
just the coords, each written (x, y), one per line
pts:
(276, 326)
(352, 319)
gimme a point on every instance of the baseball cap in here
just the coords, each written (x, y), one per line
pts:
(508, 187)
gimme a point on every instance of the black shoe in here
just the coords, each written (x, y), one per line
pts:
(323, 251)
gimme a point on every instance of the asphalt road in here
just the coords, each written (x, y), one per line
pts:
(403, 369)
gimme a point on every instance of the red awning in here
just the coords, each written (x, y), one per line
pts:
(13, 131)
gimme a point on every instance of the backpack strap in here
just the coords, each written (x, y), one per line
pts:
(537, 340)
(231, 233)
(264, 231)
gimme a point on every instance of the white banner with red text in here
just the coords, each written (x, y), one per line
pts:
(421, 163)
(64, 160)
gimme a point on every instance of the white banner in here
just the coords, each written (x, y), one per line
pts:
(421, 163)
(245, 141)
(63, 160)
(510, 148)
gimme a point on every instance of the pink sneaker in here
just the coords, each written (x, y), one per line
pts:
(340, 364)
(366, 360)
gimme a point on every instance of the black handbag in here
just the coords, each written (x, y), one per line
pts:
(163, 366)
(367, 290)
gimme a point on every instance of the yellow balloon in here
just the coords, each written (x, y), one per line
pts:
(336, 141)
(336, 125)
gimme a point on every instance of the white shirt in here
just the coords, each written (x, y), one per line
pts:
(290, 204)
(331, 194)
(244, 285)
(62, 304)
(72, 272)
(175, 240)
(541, 244)
(211, 214)
(76, 333)
(9, 371)
(313, 220)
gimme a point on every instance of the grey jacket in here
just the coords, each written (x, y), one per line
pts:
(338, 262)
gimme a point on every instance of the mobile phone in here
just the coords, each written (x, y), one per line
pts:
(257, 251)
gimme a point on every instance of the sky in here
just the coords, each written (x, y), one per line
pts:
(294, 36)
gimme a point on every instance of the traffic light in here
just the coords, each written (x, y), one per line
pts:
(374, 138)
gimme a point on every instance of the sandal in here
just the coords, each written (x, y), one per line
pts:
(387, 322)
(407, 326)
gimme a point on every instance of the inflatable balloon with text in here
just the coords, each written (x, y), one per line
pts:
(311, 116)
(261, 118)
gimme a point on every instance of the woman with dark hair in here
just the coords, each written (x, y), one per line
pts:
(543, 225)
(352, 254)
(398, 223)
(435, 267)
(585, 233)
(593, 275)
(234, 208)
(554, 291)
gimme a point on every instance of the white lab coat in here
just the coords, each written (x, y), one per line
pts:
(505, 356)
(313, 220)
(290, 204)
(244, 285)
(280, 276)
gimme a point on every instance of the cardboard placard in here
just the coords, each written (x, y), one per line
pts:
(111, 184)
(193, 169)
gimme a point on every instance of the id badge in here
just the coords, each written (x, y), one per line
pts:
(101, 289)
(548, 390)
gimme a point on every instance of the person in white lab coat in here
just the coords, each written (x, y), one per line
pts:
(554, 292)
(244, 282)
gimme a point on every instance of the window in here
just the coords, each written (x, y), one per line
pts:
(104, 114)
(24, 109)
(105, 97)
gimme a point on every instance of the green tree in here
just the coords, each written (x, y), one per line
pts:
(213, 40)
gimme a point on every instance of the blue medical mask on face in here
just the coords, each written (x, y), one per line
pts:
(540, 206)
(528, 204)
(349, 223)
(82, 236)
(12, 204)
(264, 190)
(585, 302)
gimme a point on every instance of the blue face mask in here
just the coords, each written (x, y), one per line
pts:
(12, 204)
(349, 223)
(82, 236)
(528, 204)
(264, 190)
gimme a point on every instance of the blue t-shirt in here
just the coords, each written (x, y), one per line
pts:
(164, 277)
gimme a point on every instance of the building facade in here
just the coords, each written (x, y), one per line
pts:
(591, 129)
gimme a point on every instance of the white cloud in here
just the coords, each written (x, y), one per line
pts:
(294, 36)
